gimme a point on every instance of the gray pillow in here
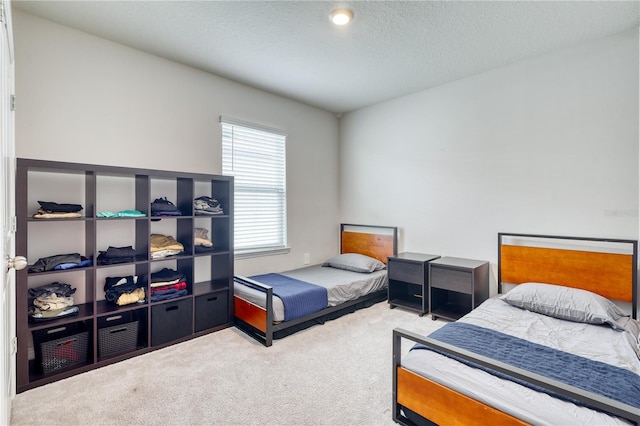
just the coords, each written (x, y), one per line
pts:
(566, 303)
(355, 262)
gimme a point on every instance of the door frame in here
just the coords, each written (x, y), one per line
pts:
(7, 214)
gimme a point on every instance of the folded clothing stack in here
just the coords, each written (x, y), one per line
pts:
(164, 207)
(124, 290)
(60, 261)
(115, 255)
(201, 241)
(164, 245)
(51, 301)
(167, 284)
(52, 210)
(206, 206)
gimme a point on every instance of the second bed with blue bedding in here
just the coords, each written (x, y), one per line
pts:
(341, 286)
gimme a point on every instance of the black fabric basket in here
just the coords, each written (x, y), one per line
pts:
(122, 336)
(61, 347)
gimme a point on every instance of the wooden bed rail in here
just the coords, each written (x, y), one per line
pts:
(445, 407)
(253, 315)
(258, 322)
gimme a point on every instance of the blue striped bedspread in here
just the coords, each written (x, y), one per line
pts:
(594, 376)
(299, 298)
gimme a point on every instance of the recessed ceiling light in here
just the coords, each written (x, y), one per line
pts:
(341, 16)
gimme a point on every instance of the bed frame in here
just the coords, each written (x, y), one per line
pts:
(604, 266)
(378, 242)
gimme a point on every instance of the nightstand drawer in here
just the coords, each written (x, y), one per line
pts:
(451, 279)
(406, 271)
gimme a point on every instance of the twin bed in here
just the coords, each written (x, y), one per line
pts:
(271, 306)
(550, 349)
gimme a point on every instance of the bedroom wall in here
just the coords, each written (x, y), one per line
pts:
(84, 99)
(548, 145)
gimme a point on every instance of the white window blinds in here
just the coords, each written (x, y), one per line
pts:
(255, 157)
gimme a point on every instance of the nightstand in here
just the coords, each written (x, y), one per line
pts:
(457, 286)
(409, 281)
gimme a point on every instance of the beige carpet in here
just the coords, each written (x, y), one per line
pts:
(338, 373)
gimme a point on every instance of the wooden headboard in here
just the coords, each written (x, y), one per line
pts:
(378, 242)
(604, 266)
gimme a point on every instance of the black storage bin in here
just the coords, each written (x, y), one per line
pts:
(171, 321)
(212, 310)
(61, 347)
(117, 333)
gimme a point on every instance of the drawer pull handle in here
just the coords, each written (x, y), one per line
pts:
(117, 317)
(211, 299)
(118, 330)
(56, 330)
(172, 308)
(418, 295)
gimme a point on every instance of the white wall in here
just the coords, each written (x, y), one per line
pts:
(548, 145)
(84, 99)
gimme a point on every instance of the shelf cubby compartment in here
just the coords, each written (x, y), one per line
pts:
(122, 331)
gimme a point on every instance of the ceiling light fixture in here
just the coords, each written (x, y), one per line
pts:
(341, 16)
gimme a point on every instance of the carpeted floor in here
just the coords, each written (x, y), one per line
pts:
(338, 373)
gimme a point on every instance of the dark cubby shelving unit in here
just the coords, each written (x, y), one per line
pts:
(113, 333)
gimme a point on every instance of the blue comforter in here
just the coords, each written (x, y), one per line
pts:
(600, 378)
(299, 298)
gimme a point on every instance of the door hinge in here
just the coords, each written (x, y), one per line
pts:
(14, 224)
(12, 102)
(14, 345)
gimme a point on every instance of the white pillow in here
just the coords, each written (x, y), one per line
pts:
(355, 262)
(566, 303)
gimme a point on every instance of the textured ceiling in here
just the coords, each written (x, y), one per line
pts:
(391, 48)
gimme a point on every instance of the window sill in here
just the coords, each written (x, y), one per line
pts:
(262, 252)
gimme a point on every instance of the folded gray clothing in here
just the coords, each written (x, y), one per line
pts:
(206, 204)
(204, 200)
(48, 263)
(60, 289)
(201, 205)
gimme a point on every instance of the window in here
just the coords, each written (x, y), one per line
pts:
(255, 156)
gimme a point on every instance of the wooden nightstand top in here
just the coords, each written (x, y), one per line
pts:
(414, 257)
(459, 262)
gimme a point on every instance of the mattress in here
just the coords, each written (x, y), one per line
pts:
(342, 286)
(597, 342)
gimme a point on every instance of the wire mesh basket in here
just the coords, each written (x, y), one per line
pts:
(61, 347)
(117, 338)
